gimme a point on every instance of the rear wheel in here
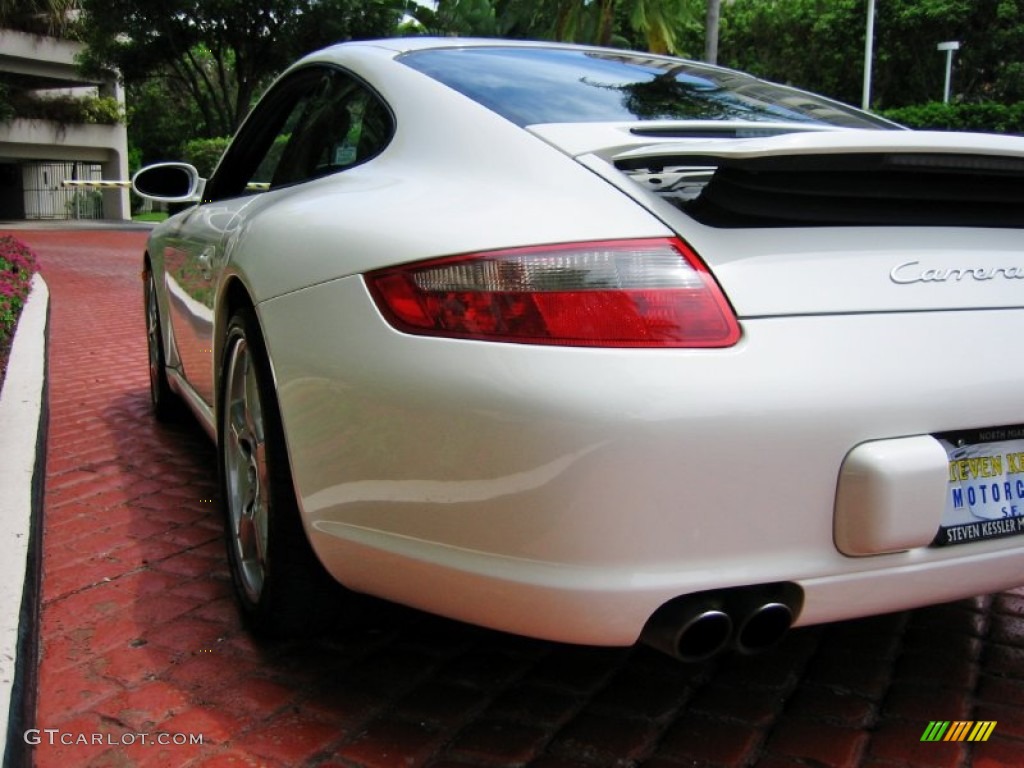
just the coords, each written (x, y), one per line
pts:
(281, 586)
(166, 405)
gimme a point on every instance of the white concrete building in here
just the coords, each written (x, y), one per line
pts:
(37, 155)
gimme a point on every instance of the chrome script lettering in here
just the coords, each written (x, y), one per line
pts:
(906, 274)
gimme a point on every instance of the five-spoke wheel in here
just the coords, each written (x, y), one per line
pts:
(282, 587)
(245, 466)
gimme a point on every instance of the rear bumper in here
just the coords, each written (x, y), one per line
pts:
(604, 606)
(567, 493)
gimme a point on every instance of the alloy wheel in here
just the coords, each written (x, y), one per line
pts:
(153, 340)
(245, 464)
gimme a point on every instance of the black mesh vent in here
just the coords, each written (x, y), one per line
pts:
(861, 190)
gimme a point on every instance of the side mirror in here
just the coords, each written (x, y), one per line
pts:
(169, 183)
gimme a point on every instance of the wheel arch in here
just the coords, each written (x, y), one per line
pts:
(295, 591)
(234, 295)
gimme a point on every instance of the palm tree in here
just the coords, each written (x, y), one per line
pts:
(657, 21)
(584, 21)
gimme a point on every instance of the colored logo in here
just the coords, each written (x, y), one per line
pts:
(958, 730)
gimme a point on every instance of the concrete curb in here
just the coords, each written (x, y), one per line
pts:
(23, 422)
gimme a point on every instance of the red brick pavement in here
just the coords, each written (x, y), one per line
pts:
(140, 635)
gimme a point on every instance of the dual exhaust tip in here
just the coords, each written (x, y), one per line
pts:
(748, 620)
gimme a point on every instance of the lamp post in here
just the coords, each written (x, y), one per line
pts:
(869, 44)
(948, 47)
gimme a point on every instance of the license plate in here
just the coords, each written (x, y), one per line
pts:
(985, 490)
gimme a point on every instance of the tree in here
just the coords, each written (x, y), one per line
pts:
(664, 23)
(819, 44)
(657, 25)
(51, 17)
(813, 44)
(211, 57)
(221, 53)
(160, 119)
(475, 18)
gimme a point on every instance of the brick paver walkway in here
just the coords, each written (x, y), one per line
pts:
(140, 634)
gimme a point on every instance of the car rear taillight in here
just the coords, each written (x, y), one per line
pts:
(629, 293)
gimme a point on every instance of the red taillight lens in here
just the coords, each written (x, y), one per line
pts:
(631, 293)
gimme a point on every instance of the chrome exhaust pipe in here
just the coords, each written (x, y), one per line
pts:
(763, 628)
(763, 615)
(689, 629)
(695, 627)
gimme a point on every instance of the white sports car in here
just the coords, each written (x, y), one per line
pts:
(594, 345)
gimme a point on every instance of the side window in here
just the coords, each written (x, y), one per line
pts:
(317, 122)
(264, 173)
(342, 126)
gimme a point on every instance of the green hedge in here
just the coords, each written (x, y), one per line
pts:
(986, 117)
(204, 154)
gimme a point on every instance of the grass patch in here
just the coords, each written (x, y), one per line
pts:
(153, 216)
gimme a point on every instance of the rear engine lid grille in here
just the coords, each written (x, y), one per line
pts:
(862, 190)
(826, 180)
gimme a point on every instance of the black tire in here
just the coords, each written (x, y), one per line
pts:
(167, 406)
(282, 588)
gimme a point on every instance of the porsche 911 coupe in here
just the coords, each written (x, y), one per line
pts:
(596, 346)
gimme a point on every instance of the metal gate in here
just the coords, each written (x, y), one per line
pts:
(46, 198)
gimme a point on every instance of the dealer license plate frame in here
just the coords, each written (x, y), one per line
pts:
(985, 486)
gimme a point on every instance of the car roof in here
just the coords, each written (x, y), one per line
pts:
(402, 45)
(426, 42)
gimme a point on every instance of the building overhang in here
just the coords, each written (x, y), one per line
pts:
(42, 62)
(23, 139)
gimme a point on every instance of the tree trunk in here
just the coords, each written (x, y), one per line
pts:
(604, 32)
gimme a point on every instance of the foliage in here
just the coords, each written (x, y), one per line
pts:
(193, 68)
(17, 265)
(814, 44)
(986, 117)
(100, 110)
(85, 205)
(160, 118)
(666, 23)
(66, 109)
(134, 159)
(807, 43)
(6, 107)
(204, 154)
(655, 24)
(819, 45)
(219, 54)
(39, 17)
(476, 18)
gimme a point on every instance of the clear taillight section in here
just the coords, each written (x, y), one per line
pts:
(629, 293)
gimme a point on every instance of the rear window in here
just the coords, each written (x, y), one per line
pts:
(531, 86)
